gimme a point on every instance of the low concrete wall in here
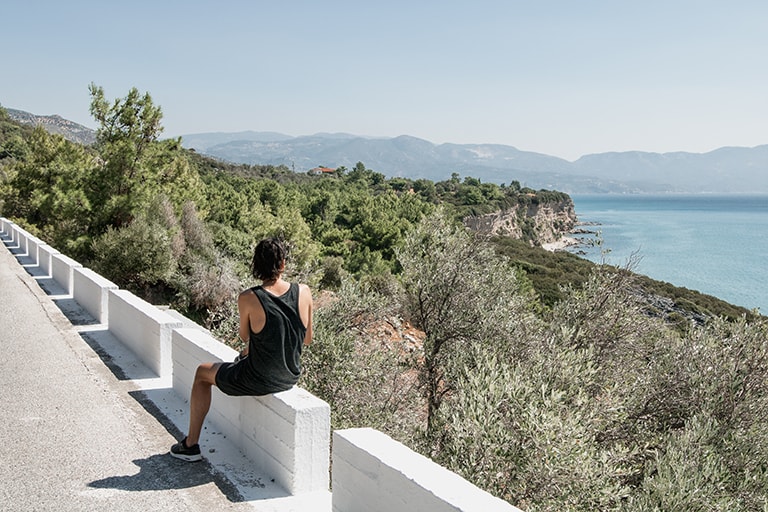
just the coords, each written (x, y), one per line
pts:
(44, 254)
(91, 291)
(143, 328)
(33, 245)
(61, 270)
(22, 241)
(12, 232)
(19, 238)
(286, 435)
(374, 473)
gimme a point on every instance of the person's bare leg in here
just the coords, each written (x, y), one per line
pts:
(200, 399)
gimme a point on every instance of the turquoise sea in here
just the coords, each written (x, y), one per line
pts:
(717, 245)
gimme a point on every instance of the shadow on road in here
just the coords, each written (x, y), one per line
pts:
(162, 472)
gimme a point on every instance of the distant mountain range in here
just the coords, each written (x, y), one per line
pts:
(728, 170)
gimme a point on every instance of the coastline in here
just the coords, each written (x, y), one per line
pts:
(561, 244)
(712, 244)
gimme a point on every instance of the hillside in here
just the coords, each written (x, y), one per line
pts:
(56, 124)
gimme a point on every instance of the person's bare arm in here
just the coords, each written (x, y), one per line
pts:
(306, 311)
(252, 317)
(244, 331)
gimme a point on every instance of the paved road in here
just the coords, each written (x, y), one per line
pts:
(77, 435)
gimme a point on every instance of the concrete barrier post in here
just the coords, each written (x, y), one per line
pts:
(44, 254)
(374, 473)
(91, 291)
(16, 235)
(144, 329)
(299, 456)
(23, 242)
(62, 268)
(33, 244)
(12, 231)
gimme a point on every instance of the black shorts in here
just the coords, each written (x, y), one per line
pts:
(234, 379)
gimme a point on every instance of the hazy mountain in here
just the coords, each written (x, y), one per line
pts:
(729, 169)
(726, 170)
(56, 124)
(202, 141)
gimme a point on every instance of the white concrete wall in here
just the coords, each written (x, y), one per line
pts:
(44, 254)
(91, 291)
(23, 239)
(61, 270)
(12, 232)
(33, 244)
(374, 473)
(19, 236)
(6, 229)
(286, 435)
(143, 328)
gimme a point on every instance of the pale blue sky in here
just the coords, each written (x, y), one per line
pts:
(561, 77)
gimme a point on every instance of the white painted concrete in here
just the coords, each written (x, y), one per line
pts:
(91, 291)
(20, 239)
(44, 254)
(374, 473)
(33, 244)
(24, 237)
(143, 328)
(61, 270)
(13, 232)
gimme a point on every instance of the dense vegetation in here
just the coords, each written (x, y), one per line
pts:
(552, 382)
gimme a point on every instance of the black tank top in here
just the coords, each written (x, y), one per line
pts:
(273, 361)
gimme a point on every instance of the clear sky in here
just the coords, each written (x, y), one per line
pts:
(561, 77)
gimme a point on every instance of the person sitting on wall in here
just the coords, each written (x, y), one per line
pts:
(276, 319)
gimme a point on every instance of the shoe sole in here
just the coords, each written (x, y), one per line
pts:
(188, 458)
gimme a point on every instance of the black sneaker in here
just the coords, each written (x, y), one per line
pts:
(189, 454)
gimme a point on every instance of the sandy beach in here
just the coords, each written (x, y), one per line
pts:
(559, 245)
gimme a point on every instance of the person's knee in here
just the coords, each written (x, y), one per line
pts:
(206, 373)
(199, 373)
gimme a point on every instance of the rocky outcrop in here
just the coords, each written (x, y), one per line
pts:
(535, 221)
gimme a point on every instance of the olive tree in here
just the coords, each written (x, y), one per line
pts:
(461, 294)
(364, 376)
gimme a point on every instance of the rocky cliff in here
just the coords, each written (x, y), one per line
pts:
(535, 221)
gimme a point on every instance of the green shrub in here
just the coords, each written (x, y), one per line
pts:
(365, 378)
(135, 256)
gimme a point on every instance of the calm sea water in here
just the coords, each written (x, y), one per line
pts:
(717, 245)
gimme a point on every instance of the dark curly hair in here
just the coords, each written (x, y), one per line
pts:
(268, 259)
